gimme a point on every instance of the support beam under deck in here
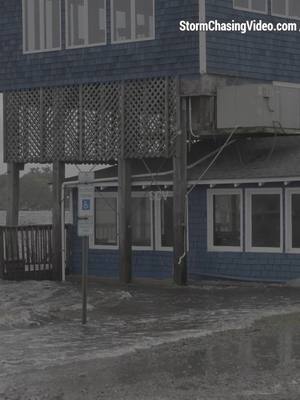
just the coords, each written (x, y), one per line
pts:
(124, 215)
(13, 193)
(58, 179)
(180, 200)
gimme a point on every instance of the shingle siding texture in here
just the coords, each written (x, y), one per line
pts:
(105, 263)
(257, 55)
(260, 56)
(233, 265)
(270, 267)
(172, 53)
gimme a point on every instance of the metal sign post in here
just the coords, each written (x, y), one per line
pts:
(85, 227)
(85, 252)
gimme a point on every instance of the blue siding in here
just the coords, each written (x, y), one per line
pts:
(105, 263)
(256, 55)
(259, 56)
(172, 53)
(270, 267)
(244, 266)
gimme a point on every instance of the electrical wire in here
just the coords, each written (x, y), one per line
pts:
(219, 152)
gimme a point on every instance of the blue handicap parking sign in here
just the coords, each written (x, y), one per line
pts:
(86, 205)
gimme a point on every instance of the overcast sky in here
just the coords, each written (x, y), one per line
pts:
(70, 170)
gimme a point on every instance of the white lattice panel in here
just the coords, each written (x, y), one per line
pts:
(91, 123)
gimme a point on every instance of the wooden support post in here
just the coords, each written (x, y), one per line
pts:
(1, 253)
(180, 203)
(13, 193)
(58, 179)
(124, 213)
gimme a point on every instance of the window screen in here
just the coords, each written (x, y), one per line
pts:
(41, 25)
(266, 220)
(132, 20)
(241, 3)
(141, 221)
(294, 8)
(251, 5)
(258, 5)
(86, 22)
(144, 19)
(279, 7)
(226, 220)
(106, 221)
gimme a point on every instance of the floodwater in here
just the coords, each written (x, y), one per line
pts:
(149, 342)
(33, 217)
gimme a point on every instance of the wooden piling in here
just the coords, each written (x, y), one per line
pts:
(180, 203)
(13, 193)
(58, 179)
(124, 213)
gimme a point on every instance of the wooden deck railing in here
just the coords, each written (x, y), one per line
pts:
(26, 252)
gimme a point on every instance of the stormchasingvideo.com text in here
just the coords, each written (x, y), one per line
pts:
(242, 27)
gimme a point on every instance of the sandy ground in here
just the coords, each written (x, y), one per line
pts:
(149, 342)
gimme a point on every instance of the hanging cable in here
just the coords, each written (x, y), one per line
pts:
(219, 152)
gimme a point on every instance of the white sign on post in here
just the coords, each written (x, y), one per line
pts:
(85, 209)
(85, 229)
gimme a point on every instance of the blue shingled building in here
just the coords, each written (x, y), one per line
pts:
(97, 81)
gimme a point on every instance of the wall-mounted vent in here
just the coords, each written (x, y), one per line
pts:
(265, 107)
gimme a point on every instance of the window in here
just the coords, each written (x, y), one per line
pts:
(41, 25)
(141, 215)
(224, 220)
(264, 220)
(132, 20)
(85, 23)
(260, 6)
(286, 8)
(106, 220)
(164, 221)
(293, 220)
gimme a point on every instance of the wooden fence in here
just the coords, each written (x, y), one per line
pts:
(26, 252)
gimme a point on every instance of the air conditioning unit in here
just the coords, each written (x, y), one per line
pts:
(259, 107)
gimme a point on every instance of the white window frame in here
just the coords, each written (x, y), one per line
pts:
(100, 195)
(42, 7)
(262, 191)
(134, 27)
(287, 11)
(288, 221)
(158, 198)
(210, 220)
(250, 9)
(80, 46)
(158, 246)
